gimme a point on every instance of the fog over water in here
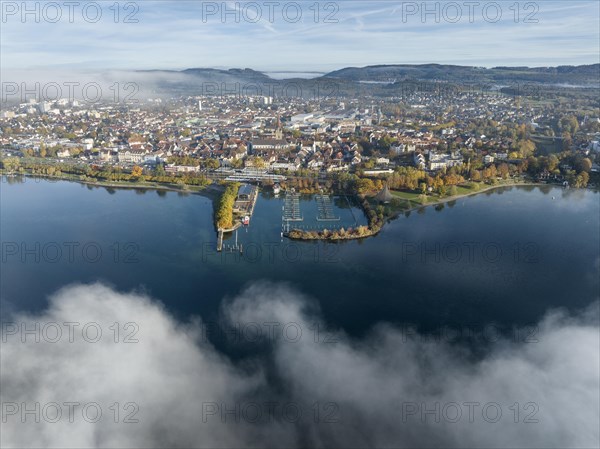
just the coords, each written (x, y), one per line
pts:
(385, 390)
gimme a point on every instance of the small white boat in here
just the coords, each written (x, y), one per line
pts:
(246, 220)
(276, 189)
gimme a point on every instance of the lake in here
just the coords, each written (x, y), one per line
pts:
(505, 256)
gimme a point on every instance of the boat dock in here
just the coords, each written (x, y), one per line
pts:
(227, 247)
(325, 208)
(291, 207)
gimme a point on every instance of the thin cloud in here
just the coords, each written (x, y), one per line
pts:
(365, 32)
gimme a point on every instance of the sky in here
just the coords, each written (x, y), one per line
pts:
(282, 35)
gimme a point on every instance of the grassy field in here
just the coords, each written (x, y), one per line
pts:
(462, 190)
(405, 200)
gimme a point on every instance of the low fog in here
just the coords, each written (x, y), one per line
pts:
(305, 384)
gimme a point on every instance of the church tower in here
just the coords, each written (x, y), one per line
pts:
(278, 130)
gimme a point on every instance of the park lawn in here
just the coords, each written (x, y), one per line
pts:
(462, 190)
(410, 200)
(405, 195)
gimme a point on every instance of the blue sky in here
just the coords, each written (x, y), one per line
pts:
(182, 34)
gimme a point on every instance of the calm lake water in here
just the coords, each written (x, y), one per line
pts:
(504, 256)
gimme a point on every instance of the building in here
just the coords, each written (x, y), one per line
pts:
(419, 160)
(246, 192)
(133, 156)
(245, 198)
(270, 144)
(441, 161)
(172, 169)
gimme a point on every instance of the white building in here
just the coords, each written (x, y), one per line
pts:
(133, 156)
(402, 148)
(441, 161)
(88, 144)
(419, 160)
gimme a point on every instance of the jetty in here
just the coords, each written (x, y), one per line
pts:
(243, 206)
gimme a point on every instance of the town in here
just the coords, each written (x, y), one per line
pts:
(423, 146)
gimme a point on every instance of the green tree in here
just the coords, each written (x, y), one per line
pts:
(212, 163)
(11, 163)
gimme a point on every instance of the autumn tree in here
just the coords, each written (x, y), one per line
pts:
(136, 171)
(364, 185)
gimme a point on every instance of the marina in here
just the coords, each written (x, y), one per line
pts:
(325, 208)
(290, 210)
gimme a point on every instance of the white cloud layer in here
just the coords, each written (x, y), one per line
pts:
(351, 393)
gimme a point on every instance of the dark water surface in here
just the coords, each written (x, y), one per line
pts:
(504, 256)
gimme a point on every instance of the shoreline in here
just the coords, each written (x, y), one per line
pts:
(465, 195)
(487, 189)
(213, 189)
(396, 214)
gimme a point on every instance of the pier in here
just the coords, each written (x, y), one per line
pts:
(291, 207)
(291, 211)
(220, 241)
(235, 247)
(325, 208)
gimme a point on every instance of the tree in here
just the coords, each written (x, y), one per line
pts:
(476, 175)
(237, 163)
(11, 163)
(258, 162)
(552, 163)
(583, 164)
(567, 140)
(526, 147)
(503, 170)
(364, 185)
(369, 164)
(212, 163)
(136, 171)
(569, 124)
